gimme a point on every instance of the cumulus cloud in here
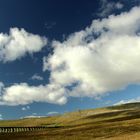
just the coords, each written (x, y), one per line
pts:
(102, 58)
(25, 108)
(90, 63)
(22, 94)
(108, 6)
(18, 43)
(32, 116)
(37, 77)
(52, 113)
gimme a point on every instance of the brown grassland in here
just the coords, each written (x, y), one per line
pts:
(111, 123)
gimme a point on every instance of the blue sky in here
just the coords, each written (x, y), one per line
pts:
(56, 56)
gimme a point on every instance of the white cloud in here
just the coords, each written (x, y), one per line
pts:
(52, 113)
(34, 113)
(101, 64)
(36, 77)
(135, 100)
(22, 94)
(18, 43)
(90, 63)
(25, 108)
(119, 5)
(32, 116)
(108, 6)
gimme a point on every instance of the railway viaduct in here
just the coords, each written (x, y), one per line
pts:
(21, 129)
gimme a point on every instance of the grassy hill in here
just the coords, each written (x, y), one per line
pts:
(110, 123)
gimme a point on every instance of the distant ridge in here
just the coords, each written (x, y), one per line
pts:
(126, 106)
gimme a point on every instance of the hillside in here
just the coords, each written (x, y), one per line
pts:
(111, 123)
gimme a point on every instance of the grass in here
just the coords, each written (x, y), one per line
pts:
(111, 123)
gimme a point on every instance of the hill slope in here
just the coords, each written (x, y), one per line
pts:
(116, 122)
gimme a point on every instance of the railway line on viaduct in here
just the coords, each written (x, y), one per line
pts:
(22, 129)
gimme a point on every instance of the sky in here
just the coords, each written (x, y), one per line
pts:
(62, 56)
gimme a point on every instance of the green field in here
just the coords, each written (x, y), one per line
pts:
(111, 123)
